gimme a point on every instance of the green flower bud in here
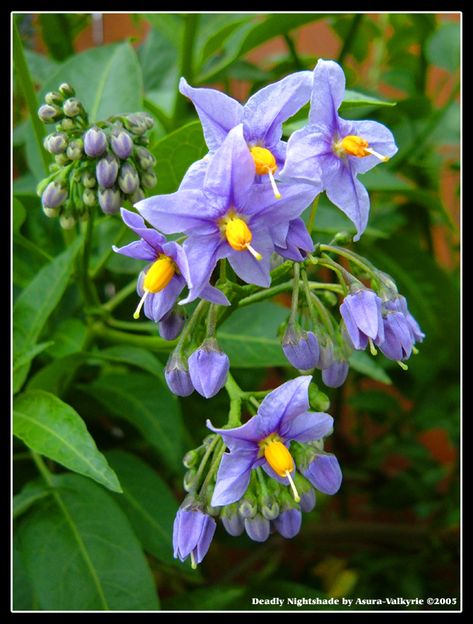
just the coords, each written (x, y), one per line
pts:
(190, 458)
(55, 143)
(189, 479)
(75, 150)
(66, 90)
(318, 400)
(145, 158)
(72, 107)
(89, 197)
(67, 221)
(148, 179)
(248, 506)
(135, 124)
(62, 160)
(66, 124)
(88, 179)
(270, 508)
(50, 212)
(137, 196)
(54, 98)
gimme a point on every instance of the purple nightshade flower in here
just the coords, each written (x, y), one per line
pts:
(106, 171)
(288, 523)
(208, 368)
(326, 351)
(361, 312)
(177, 376)
(334, 375)
(324, 473)
(398, 340)
(53, 195)
(56, 143)
(192, 534)
(262, 118)
(128, 179)
(283, 416)
(298, 242)
(232, 521)
(95, 142)
(122, 143)
(162, 282)
(257, 528)
(336, 148)
(308, 500)
(300, 347)
(170, 326)
(229, 217)
(399, 304)
(109, 200)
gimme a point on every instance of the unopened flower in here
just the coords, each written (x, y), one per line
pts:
(193, 532)
(361, 312)
(334, 375)
(324, 473)
(300, 347)
(54, 195)
(232, 521)
(297, 244)
(398, 338)
(257, 528)
(337, 149)
(288, 523)
(56, 143)
(208, 368)
(177, 375)
(107, 171)
(109, 200)
(95, 142)
(128, 179)
(122, 143)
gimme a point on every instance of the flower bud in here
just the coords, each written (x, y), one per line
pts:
(62, 160)
(48, 113)
(318, 400)
(301, 348)
(54, 98)
(67, 221)
(121, 143)
(137, 196)
(107, 171)
(248, 507)
(208, 368)
(191, 458)
(72, 107)
(95, 142)
(51, 212)
(66, 124)
(189, 479)
(136, 124)
(88, 180)
(270, 508)
(177, 376)
(145, 158)
(257, 528)
(74, 150)
(128, 179)
(308, 500)
(148, 179)
(288, 523)
(89, 197)
(170, 326)
(232, 521)
(334, 376)
(56, 143)
(324, 473)
(66, 90)
(109, 200)
(54, 195)
(325, 352)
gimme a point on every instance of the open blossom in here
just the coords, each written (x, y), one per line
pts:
(282, 417)
(229, 217)
(337, 149)
(262, 118)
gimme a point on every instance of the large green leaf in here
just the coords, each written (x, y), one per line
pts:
(135, 356)
(56, 376)
(250, 336)
(354, 99)
(366, 365)
(51, 427)
(32, 492)
(68, 338)
(149, 504)
(146, 403)
(36, 303)
(81, 553)
(175, 153)
(22, 590)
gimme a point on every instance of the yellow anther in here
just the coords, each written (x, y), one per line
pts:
(357, 146)
(265, 163)
(279, 458)
(238, 234)
(156, 279)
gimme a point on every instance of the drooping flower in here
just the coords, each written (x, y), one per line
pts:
(324, 473)
(398, 340)
(229, 217)
(288, 523)
(171, 324)
(298, 242)
(177, 375)
(334, 375)
(361, 312)
(257, 528)
(336, 148)
(208, 368)
(262, 118)
(398, 303)
(282, 417)
(300, 347)
(193, 532)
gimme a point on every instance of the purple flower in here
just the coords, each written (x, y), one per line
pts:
(334, 375)
(308, 500)
(121, 143)
(162, 282)
(262, 118)
(170, 326)
(192, 533)
(283, 416)
(208, 368)
(128, 179)
(230, 217)
(95, 142)
(324, 473)
(177, 376)
(109, 200)
(232, 521)
(257, 528)
(398, 340)
(337, 149)
(288, 523)
(326, 351)
(399, 304)
(361, 312)
(297, 244)
(300, 347)
(107, 171)
(53, 195)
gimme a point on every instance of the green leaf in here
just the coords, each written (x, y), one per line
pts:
(135, 356)
(35, 304)
(354, 99)
(149, 504)
(443, 47)
(68, 338)
(175, 153)
(366, 365)
(26, 356)
(215, 598)
(168, 25)
(158, 61)
(56, 32)
(81, 553)
(56, 376)
(23, 598)
(148, 405)
(107, 80)
(19, 214)
(250, 336)
(52, 428)
(32, 492)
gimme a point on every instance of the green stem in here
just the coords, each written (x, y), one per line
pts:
(235, 395)
(215, 463)
(286, 286)
(262, 482)
(133, 326)
(350, 38)
(349, 255)
(298, 64)
(90, 293)
(152, 343)
(313, 212)
(186, 62)
(121, 295)
(97, 269)
(212, 320)
(158, 113)
(295, 293)
(199, 310)
(313, 299)
(29, 93)
(205, 458)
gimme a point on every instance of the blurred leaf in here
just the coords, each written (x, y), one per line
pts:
(36, 303)
(168, 25)
(354, 99)
(443, 47)
(374, 401)
(52, 428)
(148, 405)
(175, 153)
(26, 356)
(40, 65)
(250, 336)
(23, 598)
(59, 30)
(148, 503)
(216, 29)
(81, 553)
(32, 492)
(135, 356)
(216, 598)
(366, 365)
(158, 61)
(19, 214)
(56, 376)
(68, 338)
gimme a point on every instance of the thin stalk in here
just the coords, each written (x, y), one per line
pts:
(121, 295)
(295, 293)
(199, 310)
(349, 255)
(205, 458)
(152, 343)
(90, 292)
(284, 287)
(186, 62)
(350, 38)
(313, 299)
(29, 92)
(212, 320)
(298, 64)
(215, 463)
(313, 212)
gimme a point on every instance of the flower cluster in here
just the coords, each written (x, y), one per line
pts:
(100, 165)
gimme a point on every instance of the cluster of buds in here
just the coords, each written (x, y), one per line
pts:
(101, 165)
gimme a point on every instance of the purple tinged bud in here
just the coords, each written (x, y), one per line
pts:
(122, 144)
(109, 200)
(177, 376)
(137, 196)
(208, 368)
(232, 521)
(148, 179)
(107, 171)
(334, 376)
(170, 326)
(248, 507)
(145, 158)
(288, 523)
(257, 528)
(95, 142)
(56, 143)
(193, 532)
(301, 348)
(325, 474)
(136, 124)
(308, 500)
(54, 195)
(128, 179)
(48, 113)
(270, 509)
(361, 312)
